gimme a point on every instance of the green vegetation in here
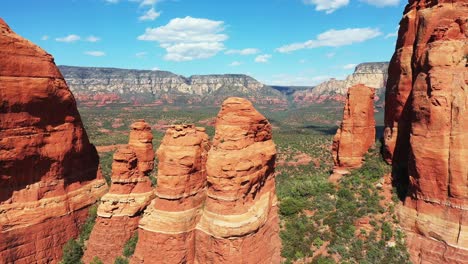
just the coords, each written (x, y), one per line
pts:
(96, 260)
(74, 248)
(318, 219)
(129, 247)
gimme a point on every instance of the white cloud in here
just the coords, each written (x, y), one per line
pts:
(302, 61)
(45, 37)
(188, 38)
(69, 38)
(148, 2)
(263, 58)
(248, 51)
(329, 6)
(382, 3)
(95, 53)
(391, 35)
(112, 1)
(155, 69)
(334, 38)
(93, 39)
(330, 55)
(235, 63)
(349, 66)
(151, 14)
(141, 54)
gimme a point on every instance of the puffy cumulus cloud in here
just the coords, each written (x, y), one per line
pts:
(188, 38)
(329, 6)
(247, 51)
(349, 66)
(95, 53)
(382, 3)
(68, 39)
(334, 38)
(262, 58)
(235, 63)
(151, 14)
(148, 2)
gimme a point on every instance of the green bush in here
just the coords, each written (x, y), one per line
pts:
(72, 252)
(121, 260)
(96, 260)
(130, 245)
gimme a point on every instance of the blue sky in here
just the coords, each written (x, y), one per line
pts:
(285, 42)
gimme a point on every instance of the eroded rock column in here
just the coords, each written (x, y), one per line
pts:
(356, 133)
(120, 210)
(433, 146)
(167, 229)
(240, 222)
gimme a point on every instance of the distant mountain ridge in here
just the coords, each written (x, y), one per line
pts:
(372, 74)
(102, 86)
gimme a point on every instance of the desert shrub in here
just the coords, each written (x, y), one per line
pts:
(129, 247)
(72, 252)
(96, 260)
(121, 260)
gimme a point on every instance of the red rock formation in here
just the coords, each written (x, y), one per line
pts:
(357, 131)
(240, 222)
(49, 171)
(120, 209)
(426, 128)
(167, 230)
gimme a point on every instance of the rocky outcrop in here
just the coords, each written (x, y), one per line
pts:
(221, 214)
(426, 129)
(356, 133)
(167, 229)
(240, 212)
(372, 74)
(103, 86)
(49, 171)
(130, 193)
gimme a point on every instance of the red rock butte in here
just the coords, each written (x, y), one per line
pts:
(49, 171)
(426, 125)
(120, 210)
(216, 206)
(356, 133)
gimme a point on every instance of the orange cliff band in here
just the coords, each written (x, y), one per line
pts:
(426, 124)
(49, 171)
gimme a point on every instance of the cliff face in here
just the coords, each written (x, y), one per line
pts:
(218, 206)
(101, 86)
(371, 74)
(356, 133)
(426, 125)
(120, 209)
(49, 171)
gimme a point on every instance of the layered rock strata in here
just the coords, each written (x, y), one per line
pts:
(49, 171)
(356, 133)
(120, 210)
(167, 229)
(221, 214)
(240, 221)
(426, 129)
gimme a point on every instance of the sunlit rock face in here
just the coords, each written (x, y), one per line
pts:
(218, 204)
(356, 133)
(49, 171)
(426, 129)
(120, 209)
